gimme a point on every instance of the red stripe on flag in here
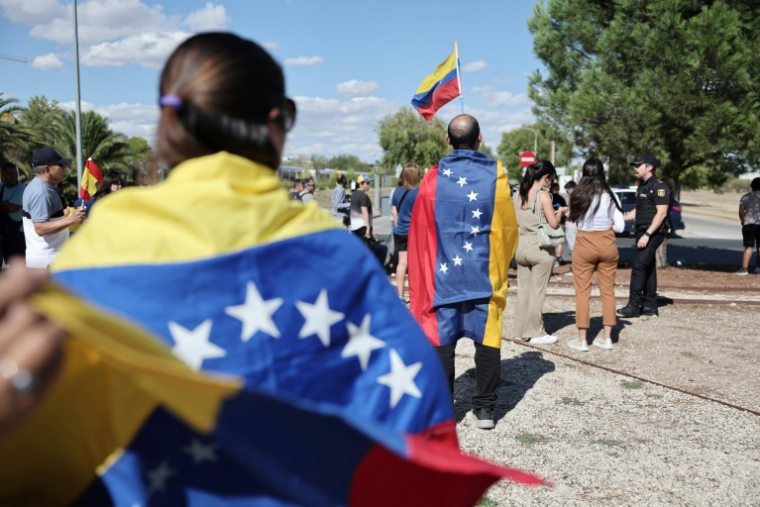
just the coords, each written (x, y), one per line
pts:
(422, 234)
(444, 94)
(432, 474)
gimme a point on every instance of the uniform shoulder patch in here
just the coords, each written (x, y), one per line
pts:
(661, 192)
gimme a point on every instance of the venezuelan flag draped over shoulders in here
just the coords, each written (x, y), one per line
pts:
(91, 177)
(439, 88)
(316, 389)
(462, 237)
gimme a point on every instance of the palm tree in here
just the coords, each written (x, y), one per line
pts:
(107, 148)
(14, 138)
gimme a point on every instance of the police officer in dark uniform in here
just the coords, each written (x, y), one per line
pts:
(651, 213)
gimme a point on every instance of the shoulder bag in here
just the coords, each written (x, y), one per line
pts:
(547, 237)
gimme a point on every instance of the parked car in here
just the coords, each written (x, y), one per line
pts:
(627, 196)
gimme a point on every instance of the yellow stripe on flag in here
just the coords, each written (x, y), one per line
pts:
(503, 238)
(447, 66)
(114, 377)
(250, 208)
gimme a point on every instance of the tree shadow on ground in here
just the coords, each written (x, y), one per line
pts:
(518, 376)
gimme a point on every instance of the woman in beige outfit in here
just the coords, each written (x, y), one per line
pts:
(534, 264)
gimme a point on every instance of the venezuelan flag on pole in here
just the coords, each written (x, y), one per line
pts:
(463, 235)
(440, 87)
(265, 381)
(91, 177)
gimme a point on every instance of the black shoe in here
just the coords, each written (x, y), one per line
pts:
(484, 417)
(629, 311)
(650, 312)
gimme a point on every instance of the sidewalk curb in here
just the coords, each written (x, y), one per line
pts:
(710, 214)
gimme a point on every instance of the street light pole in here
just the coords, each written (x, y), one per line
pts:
(78, 113)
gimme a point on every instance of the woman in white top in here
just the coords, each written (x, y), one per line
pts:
(598, 216)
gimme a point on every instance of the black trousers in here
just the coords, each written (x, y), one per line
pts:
(13, 242)
(487, 373)
(643, 290)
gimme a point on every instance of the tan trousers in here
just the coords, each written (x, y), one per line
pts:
(534, 269)
(594, 250)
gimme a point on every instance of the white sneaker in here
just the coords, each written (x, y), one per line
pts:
(578, 345)
(543, 340)
(602, 343)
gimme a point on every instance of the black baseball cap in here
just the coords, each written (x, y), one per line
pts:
(645, 159)
(48, 156)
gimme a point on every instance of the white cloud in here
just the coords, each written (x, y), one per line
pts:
(331, 126)
(31, 12)
(129, 119)
(212, 17)
(47, 62)
(103, 20)
(475, 66)
(495, 98)
(305, 61)
(270, 45)
(148, 49)
(354, 88)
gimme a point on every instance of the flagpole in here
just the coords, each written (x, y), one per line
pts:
(78, 103)
(459, 77)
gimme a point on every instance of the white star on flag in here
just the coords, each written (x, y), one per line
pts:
(472, 195)
(474, 230)
(255, 314)
(468, 246)
(192, 347)
(462, 182)
(447, 172)
(319, 318)
(158, 476)
(361, 343)
(457, 260)
(477, 213)
(401, 379)
(444, 268)
(201, 452)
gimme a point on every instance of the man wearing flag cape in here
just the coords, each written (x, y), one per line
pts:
(271, 386)
(462, 238)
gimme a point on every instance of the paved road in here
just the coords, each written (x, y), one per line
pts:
(706, 240)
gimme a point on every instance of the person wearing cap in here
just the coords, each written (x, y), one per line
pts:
(46, 220)
(650, 213)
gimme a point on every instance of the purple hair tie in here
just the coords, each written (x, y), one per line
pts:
(171, 101)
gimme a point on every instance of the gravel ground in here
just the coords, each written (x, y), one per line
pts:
(608, 439)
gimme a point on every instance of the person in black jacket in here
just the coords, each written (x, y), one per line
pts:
(651, 212)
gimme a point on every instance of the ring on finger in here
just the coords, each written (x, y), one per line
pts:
(21, 379)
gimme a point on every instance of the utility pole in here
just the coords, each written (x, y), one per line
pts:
(80, 167)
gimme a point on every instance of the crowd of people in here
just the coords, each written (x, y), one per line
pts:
(456, 229)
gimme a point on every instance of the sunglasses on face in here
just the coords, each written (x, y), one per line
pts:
(287, 116)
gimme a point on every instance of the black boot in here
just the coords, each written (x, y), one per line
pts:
(629, 311)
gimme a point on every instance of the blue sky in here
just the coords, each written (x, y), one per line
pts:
(347, 63)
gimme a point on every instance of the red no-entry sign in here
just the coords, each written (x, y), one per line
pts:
(527, 158)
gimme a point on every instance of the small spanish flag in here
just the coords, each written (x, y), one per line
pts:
(91, 176)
